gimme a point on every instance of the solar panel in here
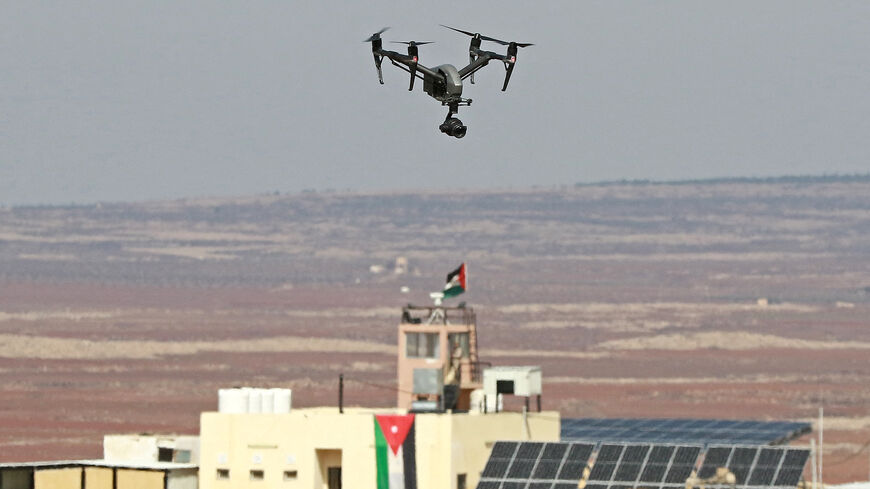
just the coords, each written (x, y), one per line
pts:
(535, 465)
(563, 465)
(756, 467)
(682, 431)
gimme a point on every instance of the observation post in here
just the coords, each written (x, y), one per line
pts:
(438, 366)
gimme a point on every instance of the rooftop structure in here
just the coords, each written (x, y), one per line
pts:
(438, 365)
(147, 448)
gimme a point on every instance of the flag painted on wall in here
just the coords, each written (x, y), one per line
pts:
(395, 451)
(457, 282)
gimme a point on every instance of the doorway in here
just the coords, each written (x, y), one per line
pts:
(329, 465)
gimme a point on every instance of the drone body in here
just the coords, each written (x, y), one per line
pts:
(444, 82)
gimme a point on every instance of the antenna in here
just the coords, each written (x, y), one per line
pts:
(437, 298)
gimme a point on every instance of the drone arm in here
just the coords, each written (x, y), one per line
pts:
(483, 58)
(404, 61)
(406, 68)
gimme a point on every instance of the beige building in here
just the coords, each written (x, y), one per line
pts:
(320, 448)
(136, 461)
(97, 474)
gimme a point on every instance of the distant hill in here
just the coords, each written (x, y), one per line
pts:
(334, 238)
(793, 179)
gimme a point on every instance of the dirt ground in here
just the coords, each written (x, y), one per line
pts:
(738, 302)
(79, 361)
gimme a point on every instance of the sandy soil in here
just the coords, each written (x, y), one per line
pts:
(635, 300)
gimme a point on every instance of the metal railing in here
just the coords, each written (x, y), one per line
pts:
(438, 315)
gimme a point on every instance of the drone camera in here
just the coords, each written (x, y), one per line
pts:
(453, 127)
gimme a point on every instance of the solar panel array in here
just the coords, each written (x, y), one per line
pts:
(681, 431)
(537, 465)
(534, 465)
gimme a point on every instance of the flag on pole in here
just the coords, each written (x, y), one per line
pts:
(395, 451)
(457, 282)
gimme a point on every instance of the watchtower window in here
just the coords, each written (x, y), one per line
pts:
(422, 345)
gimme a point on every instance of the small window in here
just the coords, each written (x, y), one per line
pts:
(289, 475)
(460, 481)
(504, 386)
(432, 345)
(164, 454)
(223, 474)
(182, 456)
(412, 341)
(422, 345)
(257, 475)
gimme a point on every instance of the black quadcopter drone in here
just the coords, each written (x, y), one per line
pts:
(444, 83)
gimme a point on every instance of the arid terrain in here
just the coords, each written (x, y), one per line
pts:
(732, 299)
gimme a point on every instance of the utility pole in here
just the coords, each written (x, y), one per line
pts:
(822, 445)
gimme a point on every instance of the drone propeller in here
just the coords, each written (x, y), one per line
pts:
(377, 35)
(475, 45)
(477, 35)
(413, 54)
(472, 34)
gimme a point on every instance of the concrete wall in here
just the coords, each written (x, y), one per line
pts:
(130, 448)
(98, 478)
(182, 479)
(307, 440)
(69, 478)
(145, 448)
(140, 479)
(275, 443)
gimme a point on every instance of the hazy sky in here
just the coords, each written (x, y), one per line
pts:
(122, 100)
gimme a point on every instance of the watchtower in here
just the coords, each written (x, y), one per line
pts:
(438, 365)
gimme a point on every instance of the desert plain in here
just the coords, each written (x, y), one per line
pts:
(737, 299)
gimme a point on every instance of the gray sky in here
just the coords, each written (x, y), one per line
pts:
(122, 100)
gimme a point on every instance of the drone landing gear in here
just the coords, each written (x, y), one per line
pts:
(451, 125)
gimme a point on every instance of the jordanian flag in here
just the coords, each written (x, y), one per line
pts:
(394, 451)
(456, 282)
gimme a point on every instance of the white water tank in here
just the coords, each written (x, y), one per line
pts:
(267, 397)
(283, 400)
(255, 401)
(249, 400)
(232, 401)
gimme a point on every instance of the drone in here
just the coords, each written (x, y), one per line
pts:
(444, 83)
